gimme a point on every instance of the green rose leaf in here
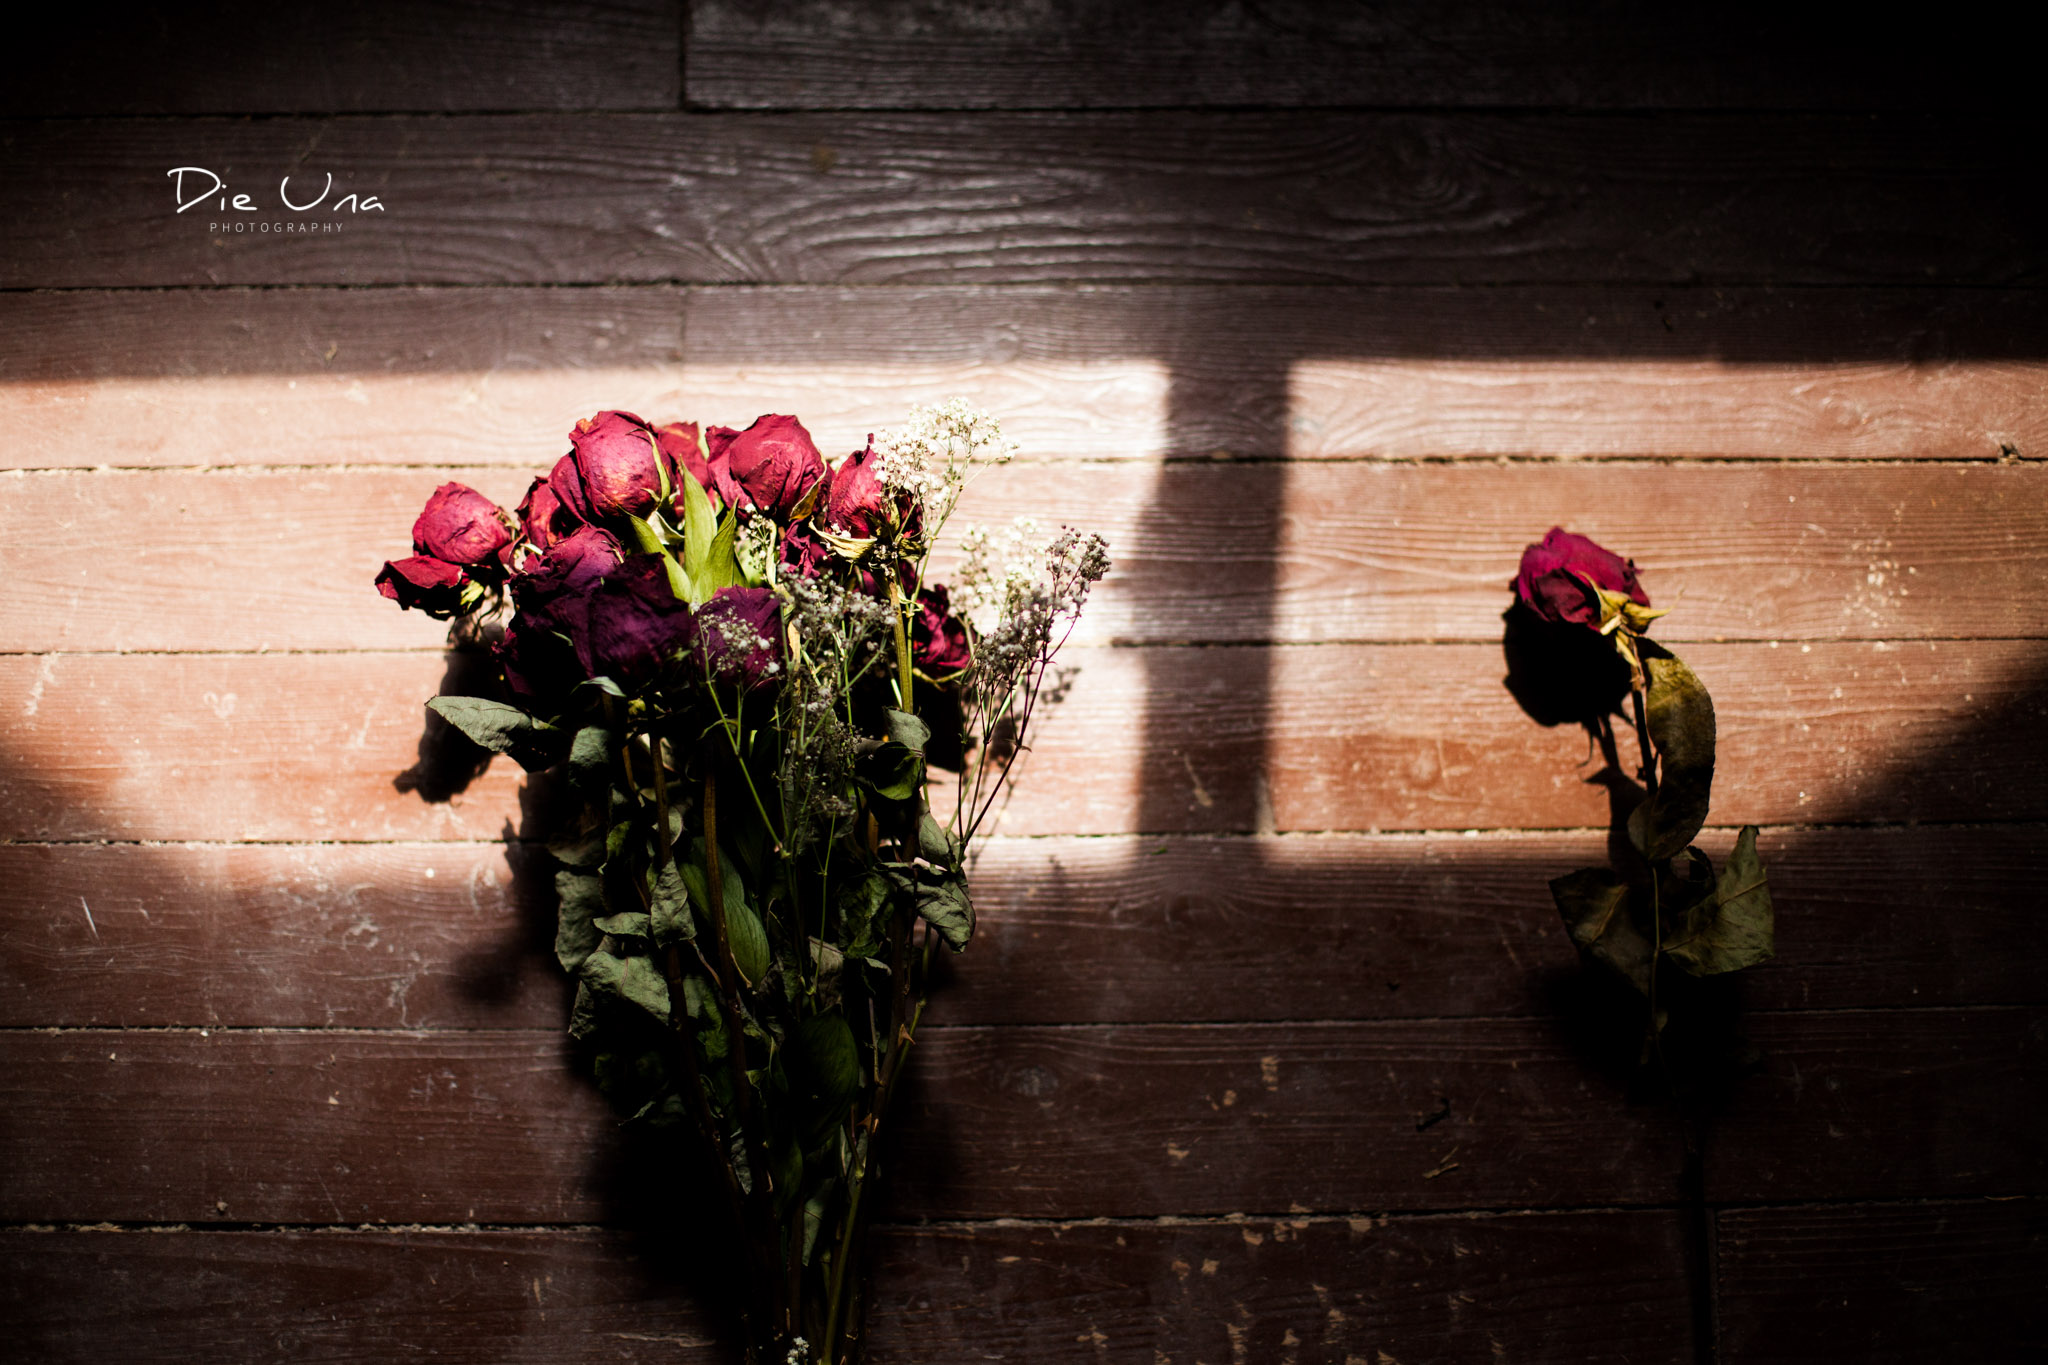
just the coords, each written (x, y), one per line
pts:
(589, 757)
(936, 844)
(503, 729)
(670, 918)
(941, 900)
(860, 907)
(908, 730)
(576, 931)
(748, 939)
(892, 771)
(1680, 716)
(1734, 927)
(632, 979)
(625, 924)
(1599, 910)
(827, 1062)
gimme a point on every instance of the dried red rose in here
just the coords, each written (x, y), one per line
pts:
(635, 623)
(621, 465)
(938, 639)
(1559, 576)
(433, 585)
(461, 526)
(774, 462)
(737, 636)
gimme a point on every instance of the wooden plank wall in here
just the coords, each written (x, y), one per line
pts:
(1272, 1049)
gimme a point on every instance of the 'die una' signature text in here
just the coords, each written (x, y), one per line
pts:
(242, 203)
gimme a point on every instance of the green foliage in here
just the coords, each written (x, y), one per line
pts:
(1681, 725)
(503, 729)
(1601, 914)
(1733, 927)
(576, 932)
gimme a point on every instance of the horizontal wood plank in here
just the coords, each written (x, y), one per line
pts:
(903, 54)
(1303, 198)
(1071, 930)
(1542, 1287)
(1240, 553)
(478, 1297)
(495, 376)
(1883, 1282)
(1334, 737)
(1187, 1290)
(248, 57)
(1885, 1105)
(252, 1126)
(1129, 1120)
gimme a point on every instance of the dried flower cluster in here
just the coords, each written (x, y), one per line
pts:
(732, 653)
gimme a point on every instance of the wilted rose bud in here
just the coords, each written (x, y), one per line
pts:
(1559, 576)
(938, 639)
(543, 517)
(855, 503)
(462, 526)
(804, 555)
(555, 589)
(621, 465)
(433, 585)
(737, 637)
(679, 442)
(774, 462)
(635, 623)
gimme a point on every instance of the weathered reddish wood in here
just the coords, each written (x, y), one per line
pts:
(1575, 1287)
(474, 376)
(1478, 52)
(1054, 1122)
(1123, 930)
(1335, 737)
(1548, 1287)
(1304, 198)
(1886, 1105)
(247, 57)
(484, 1297)
(285, 560)
(336, 935)
(299, 1127)
(1883, 1283)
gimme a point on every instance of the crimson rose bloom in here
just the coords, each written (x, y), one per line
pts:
(855, 503)
(774, 462)
(938, 639)
(714, 475)
(462, 526)
(1559, 574)
(621, 465)
(634, 625)
(433, 585)
(554, 590)
(737, 636)
(543, 517)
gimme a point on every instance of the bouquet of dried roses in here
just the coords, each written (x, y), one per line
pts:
(733, 654)
(1582, 616)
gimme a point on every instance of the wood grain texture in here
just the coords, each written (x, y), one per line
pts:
(1335, 737)
(1141, 1120)
(1883, 1283)
(478, 1297)
(1885, 1105)
(1543, 1287)
(1314, 1289)
(1306, 198)
(493, 376)
(1125, 1120)
(284, 560)
(246, 57)
(1098, 54)
(1070, 930)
